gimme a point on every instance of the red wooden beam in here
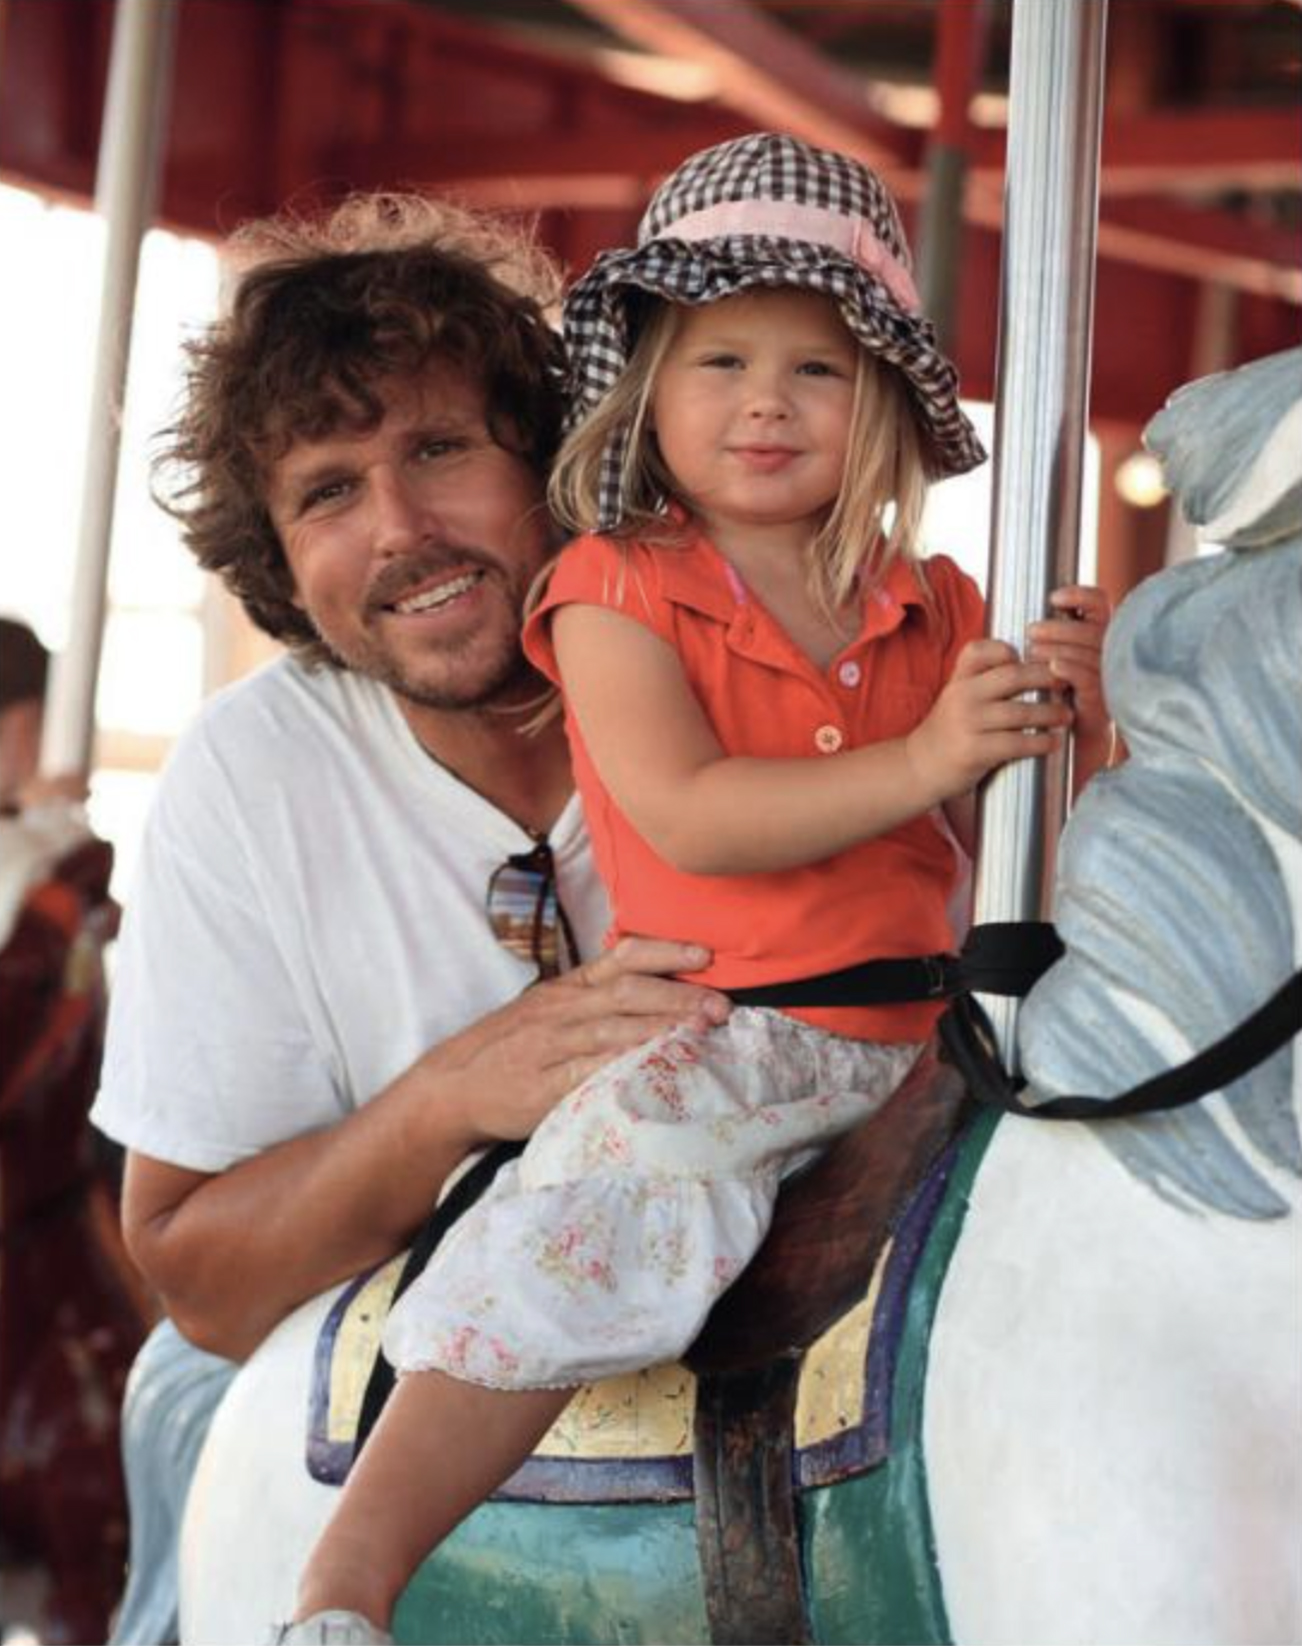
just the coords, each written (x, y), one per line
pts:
(1204, 244)
(961, 32)
(1174, 151)
(769, 74)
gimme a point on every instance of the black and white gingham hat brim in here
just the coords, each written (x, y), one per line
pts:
(834, 229)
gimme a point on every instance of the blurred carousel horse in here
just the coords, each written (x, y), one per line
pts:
(70, 1319)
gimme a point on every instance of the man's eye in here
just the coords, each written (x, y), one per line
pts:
(439, 446)
(321, 496)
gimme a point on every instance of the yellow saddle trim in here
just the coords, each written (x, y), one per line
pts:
(641, 1416)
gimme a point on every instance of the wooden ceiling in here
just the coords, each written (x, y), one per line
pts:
(573, 109)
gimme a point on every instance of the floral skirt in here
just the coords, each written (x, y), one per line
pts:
(638, 1201)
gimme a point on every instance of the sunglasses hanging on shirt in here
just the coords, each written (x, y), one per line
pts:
(525, 913)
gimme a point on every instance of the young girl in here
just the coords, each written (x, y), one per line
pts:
(771, 705)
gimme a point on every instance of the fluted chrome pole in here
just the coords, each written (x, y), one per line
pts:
(1045, 325)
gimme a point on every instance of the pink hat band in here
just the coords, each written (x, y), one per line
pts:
(854, 237)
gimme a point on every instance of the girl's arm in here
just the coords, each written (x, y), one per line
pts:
(707, 812)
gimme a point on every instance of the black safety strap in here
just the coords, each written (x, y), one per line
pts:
(458, 1200)
(1000, 957)
(1007, 958)
(969, 1044)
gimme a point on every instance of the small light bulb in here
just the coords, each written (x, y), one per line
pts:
(1139, 480)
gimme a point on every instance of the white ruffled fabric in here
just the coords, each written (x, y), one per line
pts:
(637, 1203)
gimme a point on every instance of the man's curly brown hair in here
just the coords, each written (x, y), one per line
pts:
(324, 309)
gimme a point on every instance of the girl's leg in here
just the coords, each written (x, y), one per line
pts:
(440, 1447)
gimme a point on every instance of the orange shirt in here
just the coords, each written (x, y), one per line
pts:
(886, 897)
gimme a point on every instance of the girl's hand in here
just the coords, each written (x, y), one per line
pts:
(1071, 643)
(982, 720)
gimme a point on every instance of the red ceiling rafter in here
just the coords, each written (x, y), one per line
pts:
(284, 98)
(1176, 151)
(767, 73)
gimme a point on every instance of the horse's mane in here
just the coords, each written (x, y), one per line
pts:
(1180, 875)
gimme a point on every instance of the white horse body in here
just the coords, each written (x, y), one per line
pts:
(1114, 1399)
(254, 1512)
(1114, 1406)
(1113, 1417)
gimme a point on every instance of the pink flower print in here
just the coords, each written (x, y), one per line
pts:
(669, 1253)
(726, 1270)
(457, 1348)
(598, 1270)
(507, 1362)
(661, 1074)
(615, 1145)
(575, 1257)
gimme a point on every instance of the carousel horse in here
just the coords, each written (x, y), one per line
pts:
(70, 1321)
(990, 1380)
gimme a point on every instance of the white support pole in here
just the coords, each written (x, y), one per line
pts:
(1045, 327)
(126, 183)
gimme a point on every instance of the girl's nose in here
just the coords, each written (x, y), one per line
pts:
(767, 397)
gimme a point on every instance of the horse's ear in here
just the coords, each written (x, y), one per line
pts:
(1229, 448)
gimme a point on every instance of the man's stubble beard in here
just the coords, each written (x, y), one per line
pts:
(504, 679)
(503, 676)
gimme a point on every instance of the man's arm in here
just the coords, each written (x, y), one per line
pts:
(232, 1253)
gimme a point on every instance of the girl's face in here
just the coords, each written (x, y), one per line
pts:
(751, 408)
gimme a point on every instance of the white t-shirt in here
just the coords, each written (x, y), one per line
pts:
(307, 918)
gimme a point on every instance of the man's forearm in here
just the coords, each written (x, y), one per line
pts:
(232, 1254)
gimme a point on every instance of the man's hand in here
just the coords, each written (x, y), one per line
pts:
(512, 1067)
(232, 1253)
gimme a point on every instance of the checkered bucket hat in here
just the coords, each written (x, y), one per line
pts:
(768, 210)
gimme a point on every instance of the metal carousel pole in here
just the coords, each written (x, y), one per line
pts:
(1045, 328)
(126, 180)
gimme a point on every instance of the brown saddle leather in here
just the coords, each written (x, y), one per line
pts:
(829, 1228)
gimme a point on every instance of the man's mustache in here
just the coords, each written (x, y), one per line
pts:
(399, 578)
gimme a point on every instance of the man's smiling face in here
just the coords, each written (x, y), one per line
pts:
(412, 545)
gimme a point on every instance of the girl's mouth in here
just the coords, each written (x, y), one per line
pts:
(767, 459)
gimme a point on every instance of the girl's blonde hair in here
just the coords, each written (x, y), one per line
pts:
(873, 522)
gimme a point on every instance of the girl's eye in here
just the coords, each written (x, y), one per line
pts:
(818, 368)
(722, 362)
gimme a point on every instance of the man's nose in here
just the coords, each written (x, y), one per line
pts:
(399, 520)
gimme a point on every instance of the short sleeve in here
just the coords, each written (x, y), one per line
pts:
(209, 1056)
(595, 571)
(962, 607)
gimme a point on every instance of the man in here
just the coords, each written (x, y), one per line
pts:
(361, 858)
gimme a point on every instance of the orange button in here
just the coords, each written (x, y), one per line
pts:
(828, 739)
